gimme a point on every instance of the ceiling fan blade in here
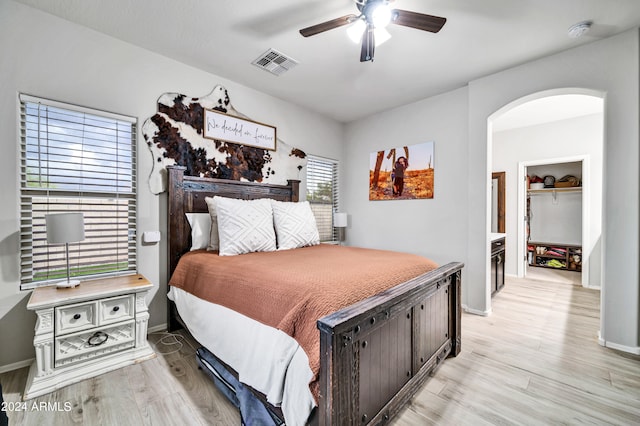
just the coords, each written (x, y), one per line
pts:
(368, 44)
(416, 20)
(329, 25)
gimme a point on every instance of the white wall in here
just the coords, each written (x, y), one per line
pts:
(48, 57)
(436, 227)
(558, 139)
(556, 217)
(612, 66)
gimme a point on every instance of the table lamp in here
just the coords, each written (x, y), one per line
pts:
(340, 222)
(65, 228)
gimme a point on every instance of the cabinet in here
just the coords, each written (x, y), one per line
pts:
(556, 256)
(88, 330)
(497, 264)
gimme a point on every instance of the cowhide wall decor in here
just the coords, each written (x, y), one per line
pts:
(175, 136)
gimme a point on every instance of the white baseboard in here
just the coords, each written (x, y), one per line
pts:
(623, 348)
(16, 365)
(156, 328)
(476, 311)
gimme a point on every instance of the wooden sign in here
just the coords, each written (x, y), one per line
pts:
(238, 130)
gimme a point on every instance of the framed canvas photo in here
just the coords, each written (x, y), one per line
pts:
(402, 173)
(229, 128)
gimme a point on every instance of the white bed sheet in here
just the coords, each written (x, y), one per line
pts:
(269, 360)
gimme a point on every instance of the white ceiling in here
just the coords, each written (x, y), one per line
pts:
(223, 37)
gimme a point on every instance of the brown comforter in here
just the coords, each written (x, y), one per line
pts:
(290, 290)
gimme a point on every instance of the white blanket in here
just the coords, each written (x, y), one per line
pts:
(265, 358)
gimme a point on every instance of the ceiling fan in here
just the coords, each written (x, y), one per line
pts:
(370, 24)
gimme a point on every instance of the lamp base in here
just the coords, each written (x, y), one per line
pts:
(68, 284)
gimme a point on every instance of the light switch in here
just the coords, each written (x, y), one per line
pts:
(151, 236)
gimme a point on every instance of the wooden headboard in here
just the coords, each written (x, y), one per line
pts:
(187, 194)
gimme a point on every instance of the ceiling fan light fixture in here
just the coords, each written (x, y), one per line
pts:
(368, 28)
(356, 30)
(381, 35)
(381, 15)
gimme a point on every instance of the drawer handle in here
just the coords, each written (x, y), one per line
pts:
(116, 308)
(76, 316)
(98, 338)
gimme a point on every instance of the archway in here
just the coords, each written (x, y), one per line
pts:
(555, 112)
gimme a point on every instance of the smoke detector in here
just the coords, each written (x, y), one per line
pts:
(579, 29)
(275, 62)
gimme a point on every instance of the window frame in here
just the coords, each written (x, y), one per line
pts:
(102, 238)
(324, 167)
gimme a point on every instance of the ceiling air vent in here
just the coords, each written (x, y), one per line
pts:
(274, 62)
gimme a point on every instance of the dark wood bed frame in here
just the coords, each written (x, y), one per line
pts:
(375, 354)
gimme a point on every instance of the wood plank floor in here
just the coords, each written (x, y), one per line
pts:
(534, 361)
(166, 390)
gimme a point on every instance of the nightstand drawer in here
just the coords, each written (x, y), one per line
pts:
(77, 317)
(117, 309)
(84, 345)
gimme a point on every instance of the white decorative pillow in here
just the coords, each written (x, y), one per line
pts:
(214, 239)
(295, 225)
(244, 226)
(200, 229)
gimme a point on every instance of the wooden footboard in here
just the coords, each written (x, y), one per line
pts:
(376, 354)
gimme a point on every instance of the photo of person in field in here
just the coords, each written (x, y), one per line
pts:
(402, 173)
(397, 176)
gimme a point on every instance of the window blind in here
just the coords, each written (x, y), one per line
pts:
(81, 160)
(322, 194)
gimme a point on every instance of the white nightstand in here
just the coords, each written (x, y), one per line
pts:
(82, 332)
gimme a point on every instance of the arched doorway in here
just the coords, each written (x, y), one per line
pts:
(551, 127)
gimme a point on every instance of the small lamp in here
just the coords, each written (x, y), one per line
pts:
(65, 228)
(340, 222)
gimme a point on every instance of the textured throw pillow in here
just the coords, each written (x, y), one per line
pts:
(200, 229)
(295, 225)
(244, 226)
(214, 239)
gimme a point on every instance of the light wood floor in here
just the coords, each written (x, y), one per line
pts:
(534, 361)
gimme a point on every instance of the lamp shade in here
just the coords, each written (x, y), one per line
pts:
(340, 220)
(64, 227)
(357, 29)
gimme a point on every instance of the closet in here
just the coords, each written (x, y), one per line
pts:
(554, 216)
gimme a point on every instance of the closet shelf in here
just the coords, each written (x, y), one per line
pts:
(555, 256)
(554, 190)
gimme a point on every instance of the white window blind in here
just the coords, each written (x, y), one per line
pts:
(322, 194)
(80, 160)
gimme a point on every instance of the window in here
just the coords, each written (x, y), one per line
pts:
(81, 160)
(322, 194)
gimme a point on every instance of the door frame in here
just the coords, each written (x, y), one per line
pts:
(522, 201)
(500, 202)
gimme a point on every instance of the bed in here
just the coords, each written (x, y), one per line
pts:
(412, 326)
